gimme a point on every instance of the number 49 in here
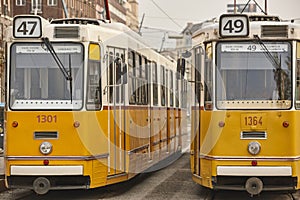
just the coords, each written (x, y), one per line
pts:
(234, 26)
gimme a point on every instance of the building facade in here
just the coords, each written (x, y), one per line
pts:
(123, 11)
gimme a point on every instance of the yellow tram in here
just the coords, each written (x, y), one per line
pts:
(88, 104)
(245, 113)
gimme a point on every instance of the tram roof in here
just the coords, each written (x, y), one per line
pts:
(113, 32)
(285, 29)
(94, 30)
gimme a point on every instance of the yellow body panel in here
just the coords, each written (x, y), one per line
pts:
(110, 151)
(81, 138)
(213, 145)
(218, 141)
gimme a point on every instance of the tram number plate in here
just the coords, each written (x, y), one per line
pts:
(234, 25)
(46, 118)
(253, 121)
(27, 27)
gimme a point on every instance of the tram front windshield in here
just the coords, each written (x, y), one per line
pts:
(37, 82)
(253, 75)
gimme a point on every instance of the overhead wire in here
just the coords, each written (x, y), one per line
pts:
(164, 18)
(166, 14)
(158, 29)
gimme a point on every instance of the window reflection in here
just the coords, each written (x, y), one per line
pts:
(245, 74)
(38, 83)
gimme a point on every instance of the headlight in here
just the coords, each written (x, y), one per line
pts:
(254, 148)
(46, 148)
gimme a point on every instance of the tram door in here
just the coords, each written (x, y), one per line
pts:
(196, 137)
(116, 110)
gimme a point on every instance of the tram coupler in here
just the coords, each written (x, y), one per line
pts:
(41, 185)
(254, 186)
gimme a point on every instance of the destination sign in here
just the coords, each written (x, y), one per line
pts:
(254, 47)
(40, 49)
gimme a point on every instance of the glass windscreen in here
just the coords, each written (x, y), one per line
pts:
(38, 82)
(253, 75)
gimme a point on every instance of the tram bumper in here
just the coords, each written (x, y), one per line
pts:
(44, 178)
(254, 179)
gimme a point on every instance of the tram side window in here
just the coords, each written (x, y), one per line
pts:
(198, 86)
(137, 79)
(141, 79)
(155, 84)
(131, 75)
(118, 65)
(184, 94)
(298, 77)
(148, 79)
(166, 87)
(208, 77)
(94, 82)
(162, 86)
(121, 76)
(144, 81)
(176, 91)
(122, 73)
(171, 89)
(138, 66)
(118, 62)
(111, 76)
(117, 74)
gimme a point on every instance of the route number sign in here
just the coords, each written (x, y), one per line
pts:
(27, 27)
(234, 25)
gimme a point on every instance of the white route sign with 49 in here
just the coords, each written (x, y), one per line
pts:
(234, 25)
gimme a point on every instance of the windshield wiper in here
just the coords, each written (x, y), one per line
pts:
(67, 74)
(275, 62)
(278, 72)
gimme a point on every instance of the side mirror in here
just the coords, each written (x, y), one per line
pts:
(186, 54)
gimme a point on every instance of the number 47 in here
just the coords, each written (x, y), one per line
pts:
(27, 26)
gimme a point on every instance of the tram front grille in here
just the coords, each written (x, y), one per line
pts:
(253, 135)
(274, 31)
(45, 135)
(66, 32)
